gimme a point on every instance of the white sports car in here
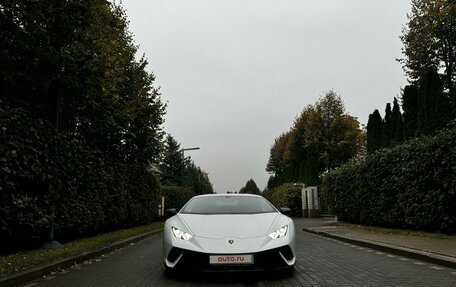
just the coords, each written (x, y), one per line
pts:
(223, 232)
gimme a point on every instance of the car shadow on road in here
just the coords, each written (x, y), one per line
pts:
(229, 277)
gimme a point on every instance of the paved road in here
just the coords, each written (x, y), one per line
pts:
(321, 262)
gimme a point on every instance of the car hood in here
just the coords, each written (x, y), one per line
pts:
(218, 226)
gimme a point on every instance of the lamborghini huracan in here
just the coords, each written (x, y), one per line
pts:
(229, 232)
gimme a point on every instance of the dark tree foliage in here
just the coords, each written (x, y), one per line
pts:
(397, 123)
(81, 121)
(427, 109)
(411, 185)
(176, 196)
(322, 137)
(276, 163)
(172, 166)
(197, 179)
(410, 107)
(430, 42)
(429, 102)
(176, 170)
(250, 187)
(434, 106)
(374, 132)
(386, 132)
(335, 134)
(286, 195)
(388, 129)
(73, 64)
(43, 173)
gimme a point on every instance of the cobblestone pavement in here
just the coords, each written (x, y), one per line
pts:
(321, 262)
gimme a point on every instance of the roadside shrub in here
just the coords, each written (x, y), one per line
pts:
(412, 185)
(45, 175)
(267, 194)
(176, 196)
(287, 195)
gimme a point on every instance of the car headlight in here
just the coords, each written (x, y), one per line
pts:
(281, 232)
(181, 234)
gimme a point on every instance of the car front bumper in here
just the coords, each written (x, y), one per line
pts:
(188, 260)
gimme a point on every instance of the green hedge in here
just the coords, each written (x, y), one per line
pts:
(176, 196)
(286, 195)
(42, 173)
(412, 185)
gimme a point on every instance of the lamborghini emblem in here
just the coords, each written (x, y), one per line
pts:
(230, 241)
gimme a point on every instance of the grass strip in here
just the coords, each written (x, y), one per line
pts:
(393, 231)
(27, 259)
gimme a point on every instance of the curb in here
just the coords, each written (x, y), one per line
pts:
(46, 268)
(430, 257)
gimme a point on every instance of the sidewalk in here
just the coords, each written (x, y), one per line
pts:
(437, 250)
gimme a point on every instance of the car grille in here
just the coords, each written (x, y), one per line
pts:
(265, 260)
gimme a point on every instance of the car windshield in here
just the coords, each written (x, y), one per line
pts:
(228, 205)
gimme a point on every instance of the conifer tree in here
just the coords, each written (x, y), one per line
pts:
(410, 108)
(374, 132)
(434, 106)
(387, 131)
(172, 167)
(397, 123)
(197, 179)
(250, 187)
(430, 43)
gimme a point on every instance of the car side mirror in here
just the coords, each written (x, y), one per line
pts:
(285, 210)
(170, 212)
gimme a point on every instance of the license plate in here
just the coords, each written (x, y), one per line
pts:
(231, 259)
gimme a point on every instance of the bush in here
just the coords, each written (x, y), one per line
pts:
(44, 174)
(412, 185)
(286, 195)
(176, 196)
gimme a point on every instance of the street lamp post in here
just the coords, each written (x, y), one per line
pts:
(187, 149)
(190, 148)
(183, 155)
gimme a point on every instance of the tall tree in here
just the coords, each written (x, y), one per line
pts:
(387, 133)
(250, 187)
(172, 167)
(434, 107)
(374, 132)
(322, 137)
(430, 42)
(73, 63)
(335, 133)
(197, 179)
(410, 108)
(276, 163)
(397, 123)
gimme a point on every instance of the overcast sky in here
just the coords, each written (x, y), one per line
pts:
(236, 73)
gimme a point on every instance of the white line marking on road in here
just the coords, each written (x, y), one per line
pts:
(454, 273)
(404, 259)
(379, 253)
(31, 284)
(391, 256)
(419, 263)
(49, 277)
(437, 268)
(369, 250)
